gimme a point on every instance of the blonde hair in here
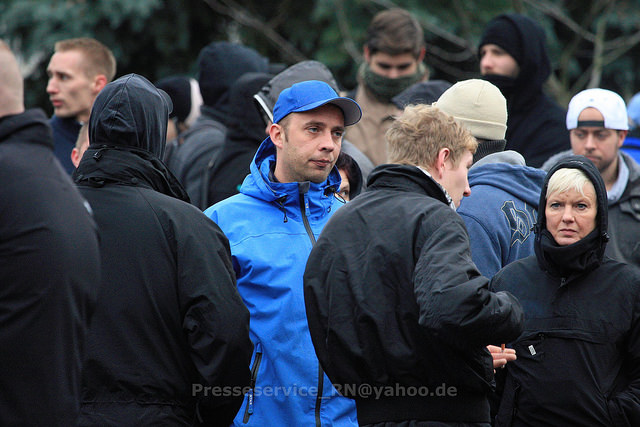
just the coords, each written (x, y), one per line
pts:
(421, 131)
(98, 59)
(567, 179)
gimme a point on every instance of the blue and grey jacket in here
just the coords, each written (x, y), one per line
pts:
(500, 213)
(271, 228)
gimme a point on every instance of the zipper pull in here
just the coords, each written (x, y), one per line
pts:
(250, 402)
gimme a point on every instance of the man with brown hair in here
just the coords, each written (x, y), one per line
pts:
(398, 314)
(78, 70)
(393, 54)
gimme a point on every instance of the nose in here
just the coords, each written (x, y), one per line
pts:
(393, 73)
(567, 214)
(590, 143)
(486, 63)
(327, 142)
(52, 86)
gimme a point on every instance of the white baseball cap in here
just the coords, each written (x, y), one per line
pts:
(608, 103)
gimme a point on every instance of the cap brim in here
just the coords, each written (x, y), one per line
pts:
(350, 108)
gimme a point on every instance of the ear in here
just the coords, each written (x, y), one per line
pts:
(423, 51)
(366, 53)
(440, 166)
(276, 132)
(622, 134)
(75, 159)
(99, 82)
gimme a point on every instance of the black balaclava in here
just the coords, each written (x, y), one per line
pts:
(524, 40)
(586, 254)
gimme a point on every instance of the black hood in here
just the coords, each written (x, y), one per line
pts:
(220, 64)
(245, 122)
(131, 112)
(527, 37)
(421, 93)
(127, 134)
(587, 253)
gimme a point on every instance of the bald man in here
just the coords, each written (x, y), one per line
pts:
(49, 267)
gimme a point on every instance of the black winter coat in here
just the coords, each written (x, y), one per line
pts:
(393, 299)
(49, 277)
(579, 355)
(170, 323)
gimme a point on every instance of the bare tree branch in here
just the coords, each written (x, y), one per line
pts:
(598, 47)
(554, 11)
(242, 16)
(343, 25)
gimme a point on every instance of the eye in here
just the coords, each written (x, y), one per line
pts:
(582, 206)
(313, 129)
(338, 133)
(554, 205)
(384, 66)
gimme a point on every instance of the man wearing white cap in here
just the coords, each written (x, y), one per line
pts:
(598, 125)
(272, 225)
(501, 209)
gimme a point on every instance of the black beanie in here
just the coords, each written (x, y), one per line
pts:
(179, 89)
(502, 32)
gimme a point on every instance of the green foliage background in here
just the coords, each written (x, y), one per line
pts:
(157, 38)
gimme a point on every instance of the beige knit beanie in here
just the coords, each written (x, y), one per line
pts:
(477, 105)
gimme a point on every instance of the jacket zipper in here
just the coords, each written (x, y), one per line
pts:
(307, 226)
(254, 376)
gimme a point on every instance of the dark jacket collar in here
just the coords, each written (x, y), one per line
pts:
(31, 126)
(405, 178)
(127, 166)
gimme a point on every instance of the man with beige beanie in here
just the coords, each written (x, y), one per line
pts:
(502, 207)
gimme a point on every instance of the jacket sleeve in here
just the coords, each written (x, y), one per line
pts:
(454, 300)
(215, 320)
(624, 407)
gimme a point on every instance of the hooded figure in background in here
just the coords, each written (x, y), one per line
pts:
(513, 56)
(169, 322)
(220, 64)
(579, 355)
(246, 131)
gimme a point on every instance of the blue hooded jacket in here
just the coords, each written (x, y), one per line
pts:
(500, 213)
(271, 228)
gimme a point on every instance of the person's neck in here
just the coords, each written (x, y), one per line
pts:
(610, 175)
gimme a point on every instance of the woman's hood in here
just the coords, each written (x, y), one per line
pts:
(588, 252)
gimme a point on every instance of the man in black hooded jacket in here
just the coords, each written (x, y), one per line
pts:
(169, 323)
(513, 56)
(49, 268)
(579, 355)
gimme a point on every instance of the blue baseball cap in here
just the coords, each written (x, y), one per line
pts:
(311, 94)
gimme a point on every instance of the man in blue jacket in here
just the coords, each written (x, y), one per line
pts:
(272, 225)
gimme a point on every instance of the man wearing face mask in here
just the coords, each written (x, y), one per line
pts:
(393, 54)
(513, 56)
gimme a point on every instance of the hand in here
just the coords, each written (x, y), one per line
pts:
(501, 357)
